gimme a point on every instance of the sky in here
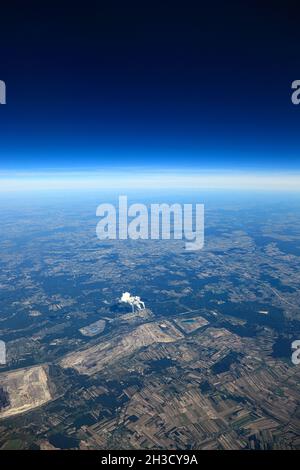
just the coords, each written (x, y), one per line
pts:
(155, 88)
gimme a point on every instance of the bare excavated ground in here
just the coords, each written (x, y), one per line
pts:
(95, 358)
(26, 389)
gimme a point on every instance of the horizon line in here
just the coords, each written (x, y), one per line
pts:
(141, 178)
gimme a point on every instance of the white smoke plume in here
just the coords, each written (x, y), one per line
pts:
(134, 301)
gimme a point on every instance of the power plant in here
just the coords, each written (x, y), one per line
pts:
(134, 301)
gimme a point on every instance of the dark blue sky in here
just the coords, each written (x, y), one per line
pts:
(112, 84)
